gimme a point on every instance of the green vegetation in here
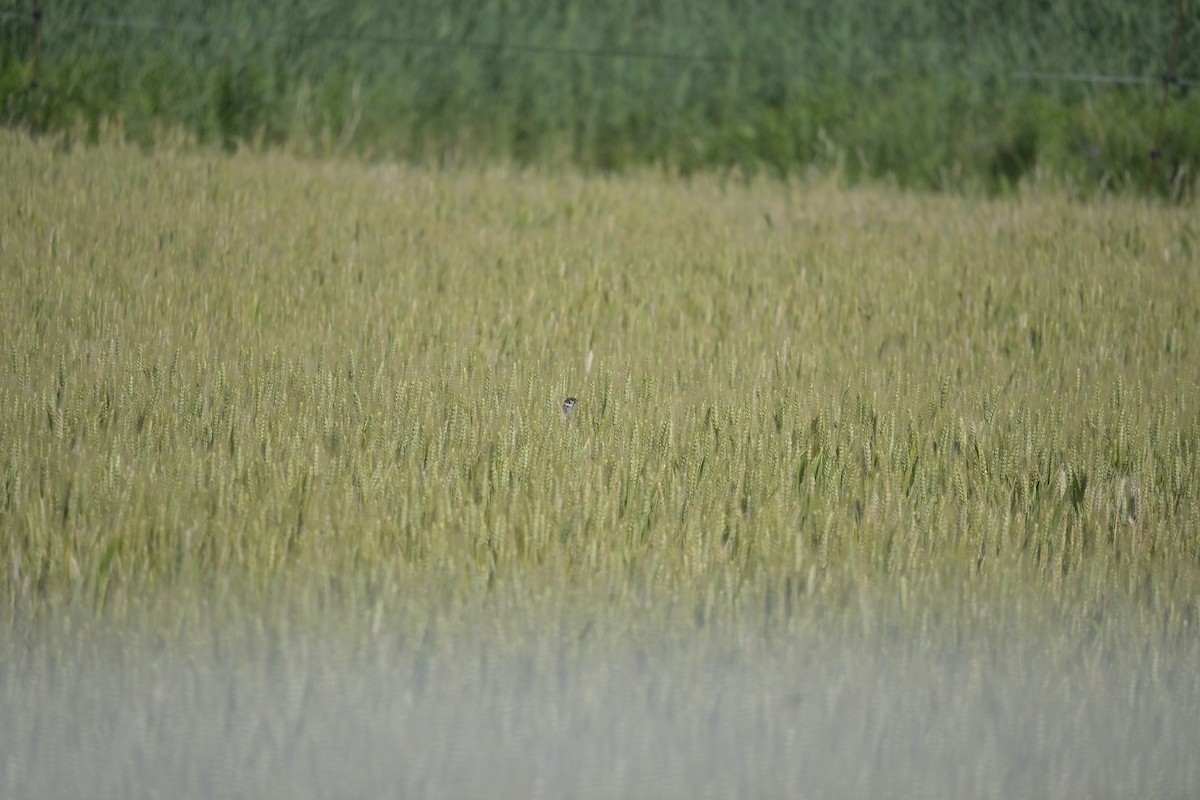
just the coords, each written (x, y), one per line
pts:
(866, 492)
(925, 93)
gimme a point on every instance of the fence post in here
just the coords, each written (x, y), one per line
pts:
(34, 82)
(1168, 79)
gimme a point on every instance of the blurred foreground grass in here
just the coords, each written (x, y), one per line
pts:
(866, 493)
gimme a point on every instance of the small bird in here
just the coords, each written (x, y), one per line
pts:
(568, 405)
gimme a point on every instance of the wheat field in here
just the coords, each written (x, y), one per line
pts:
(866, 492)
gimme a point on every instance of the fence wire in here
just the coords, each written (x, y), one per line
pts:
(550, 50)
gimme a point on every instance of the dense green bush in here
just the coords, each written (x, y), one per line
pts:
(925, 93)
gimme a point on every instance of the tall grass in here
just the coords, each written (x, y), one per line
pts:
(289, 501)
(923, 93)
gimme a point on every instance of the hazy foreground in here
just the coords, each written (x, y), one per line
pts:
(866, 495)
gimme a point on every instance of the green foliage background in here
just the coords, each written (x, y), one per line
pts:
(918, 91)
